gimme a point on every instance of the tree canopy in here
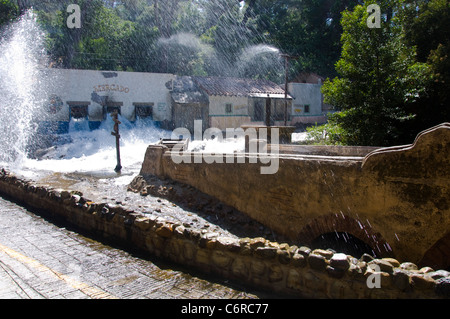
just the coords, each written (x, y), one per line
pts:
(391, 82)
(201, 37)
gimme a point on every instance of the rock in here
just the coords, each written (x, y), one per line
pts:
(375, 277)
(438, 274)
(298, 260)
(443, 287)
(325, 253)
(228, 243)
(240, 268)
(266, 252)
(221, 259)
(400, 279)
(257, 242)
(366, 258)
(425, 270)
(293, 249)
(208, 240)
(257, 267)
(317, 262)
(143, 223)
(275, 273)
(305, 251)
(383, 265)
(165, 231)
(65, 195)
(408, 266)
(294, 280)
(335, 272)
(245, 246)
(392, 261)
(356, 271)
(283, 256)
(340, 261)
(422, 281)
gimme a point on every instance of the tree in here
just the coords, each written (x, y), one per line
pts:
(309, 29)
(225, 33)
(379, 79)
(426, 26)
(8, 11)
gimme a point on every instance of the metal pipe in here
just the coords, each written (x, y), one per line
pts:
(115, 117)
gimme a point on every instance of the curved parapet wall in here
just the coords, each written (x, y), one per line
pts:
(414, 183)
(396, 200)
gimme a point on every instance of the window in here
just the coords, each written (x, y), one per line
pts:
(306, 108)
(144, 110)
(78, 110)
(112, 107)
(228, 108)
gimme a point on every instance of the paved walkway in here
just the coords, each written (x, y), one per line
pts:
(39, 260)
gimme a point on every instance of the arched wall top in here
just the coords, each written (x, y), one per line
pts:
(425, 160)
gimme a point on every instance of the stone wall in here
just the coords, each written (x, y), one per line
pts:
(396, 200)
(282, 268)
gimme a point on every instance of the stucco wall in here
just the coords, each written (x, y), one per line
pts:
(306, 94)
(397, 200)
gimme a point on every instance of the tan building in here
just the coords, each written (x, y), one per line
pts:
(231, 102)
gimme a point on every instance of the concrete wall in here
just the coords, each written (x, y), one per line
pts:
(397, 200)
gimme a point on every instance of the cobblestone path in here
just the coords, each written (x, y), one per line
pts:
(42, 260)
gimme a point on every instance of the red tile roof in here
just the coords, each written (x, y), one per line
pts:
(226, 86)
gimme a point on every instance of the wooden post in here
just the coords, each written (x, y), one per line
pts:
(115, 116)
(286, 70)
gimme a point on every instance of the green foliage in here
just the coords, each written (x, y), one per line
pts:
(326, 134)
(132, 32)
(427, 28)
(379, 79)
(8, 11)
(309, 29)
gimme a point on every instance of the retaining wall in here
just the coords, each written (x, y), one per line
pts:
(288, 270)
(396, 200)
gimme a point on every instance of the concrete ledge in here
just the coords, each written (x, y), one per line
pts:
(326, 150)
(288, 270)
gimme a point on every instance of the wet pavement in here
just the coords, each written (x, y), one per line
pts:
(43, 260)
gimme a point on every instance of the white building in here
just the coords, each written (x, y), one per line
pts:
(173, 101)
(91, 95)
(307, 106)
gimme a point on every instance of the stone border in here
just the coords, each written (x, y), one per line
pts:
(288, 270)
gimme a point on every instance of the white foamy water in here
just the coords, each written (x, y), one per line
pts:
(218, 146)
(94, 152)
(23, 85)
